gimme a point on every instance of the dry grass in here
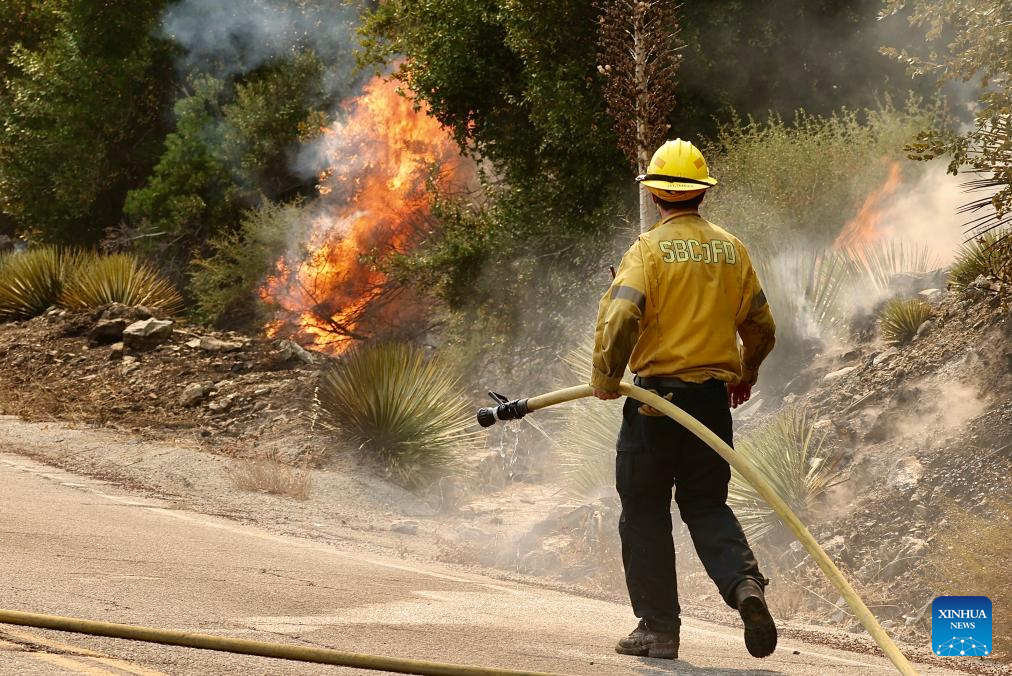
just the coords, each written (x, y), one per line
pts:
(270, 475)
(971, 557)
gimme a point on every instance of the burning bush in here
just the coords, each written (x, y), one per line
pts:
(900, 319)
(31, 282)
(989, 255)
(402, 410)
(790, 455)
(119, 278)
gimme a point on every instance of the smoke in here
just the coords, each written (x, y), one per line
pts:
(231, 37)
(926, 212)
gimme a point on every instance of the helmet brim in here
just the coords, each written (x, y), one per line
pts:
(680, 187)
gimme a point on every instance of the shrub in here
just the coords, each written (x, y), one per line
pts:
(790, 455)
(224, 283)
(31, 282)
(989, 255)
(402, 410)
(773, 174)
(119, 278)
(971, 555)
(900, 319)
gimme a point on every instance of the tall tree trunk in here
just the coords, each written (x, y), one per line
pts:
(639, 53)
(647, 212)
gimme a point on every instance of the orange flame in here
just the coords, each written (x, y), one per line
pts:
(864, 227)
(373, 202)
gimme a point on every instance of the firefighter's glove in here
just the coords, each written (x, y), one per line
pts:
(738, 394)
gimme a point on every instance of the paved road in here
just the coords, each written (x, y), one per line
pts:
(73, 546)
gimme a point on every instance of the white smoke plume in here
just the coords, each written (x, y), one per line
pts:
(231, 37)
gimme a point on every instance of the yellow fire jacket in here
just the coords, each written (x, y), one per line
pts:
(682, 292)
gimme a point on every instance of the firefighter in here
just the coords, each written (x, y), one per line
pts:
(684, 292)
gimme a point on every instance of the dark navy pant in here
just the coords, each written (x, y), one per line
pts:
(655, 453)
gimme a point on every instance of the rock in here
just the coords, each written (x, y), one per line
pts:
(116, 352)
(924, 329)
(539, 562)
(127, 312)
(885, 356)
(829, 377)
(193, 394)
(107, 331)
(292, 351)
(147, 333)
(220, 405)
(981, 282)
(909, 283)
(405, 527)
(850, 356)
(906, 474)
(930, 293)
(212, 344)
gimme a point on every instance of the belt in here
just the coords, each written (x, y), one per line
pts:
(674, 383)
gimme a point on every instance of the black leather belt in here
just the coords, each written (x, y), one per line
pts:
(674, 383)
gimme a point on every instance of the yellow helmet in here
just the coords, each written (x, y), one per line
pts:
(677, 172)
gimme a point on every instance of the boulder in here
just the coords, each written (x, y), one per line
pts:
(292, 351)
(405, 527)
(107, 331)
(829, 377)
(906, 474)
(116, 352)
(147, 333)
(211, 344)
(924, 329)
(193, 394)
(127, 312)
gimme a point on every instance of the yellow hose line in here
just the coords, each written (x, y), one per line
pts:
(752, 475)
(246, 647)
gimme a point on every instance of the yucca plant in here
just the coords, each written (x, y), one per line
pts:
(806, 289)
(790, 455)
(31, 281)
(880, 261)
(119, 278)
(989, 254)
(587, 445)
(900, 319)
(401, 409)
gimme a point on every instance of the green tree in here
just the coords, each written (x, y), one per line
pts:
(230, 149)
(81, 112)
(968, 41)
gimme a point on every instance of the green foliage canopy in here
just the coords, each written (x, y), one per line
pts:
(80, 113)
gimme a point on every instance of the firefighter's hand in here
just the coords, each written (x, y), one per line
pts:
(738, 394)
(601, 394)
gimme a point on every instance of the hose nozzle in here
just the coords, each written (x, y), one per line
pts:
(506, 410)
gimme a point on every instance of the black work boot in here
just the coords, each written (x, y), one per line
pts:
(644, 642)
(760, 630)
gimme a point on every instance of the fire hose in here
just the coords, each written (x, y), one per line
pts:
(518, 408)
(247, 647)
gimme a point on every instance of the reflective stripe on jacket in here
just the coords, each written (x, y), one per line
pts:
(682, 292)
